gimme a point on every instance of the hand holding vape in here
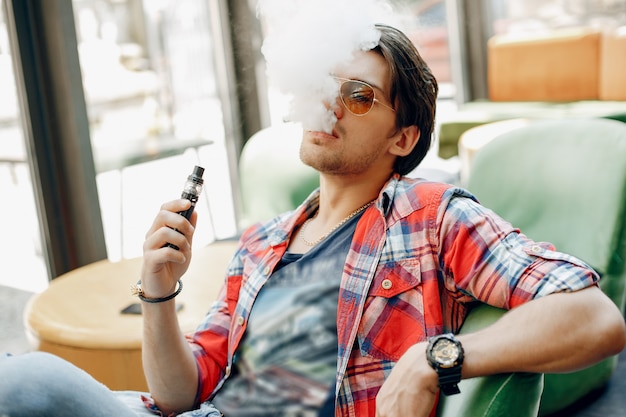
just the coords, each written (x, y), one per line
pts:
(191, 192)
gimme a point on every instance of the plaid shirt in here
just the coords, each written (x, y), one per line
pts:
(419, 257)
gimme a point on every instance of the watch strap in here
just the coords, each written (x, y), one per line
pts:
(449, 380)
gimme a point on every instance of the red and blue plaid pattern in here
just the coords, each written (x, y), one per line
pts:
(420, 255)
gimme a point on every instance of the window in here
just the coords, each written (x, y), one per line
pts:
(154, 110)
(20, 247)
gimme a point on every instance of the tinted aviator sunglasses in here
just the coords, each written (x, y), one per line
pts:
(358, 96)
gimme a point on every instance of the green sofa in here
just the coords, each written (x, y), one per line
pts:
(510, 395)
(272, 178)
(479, 112)
(564, 181)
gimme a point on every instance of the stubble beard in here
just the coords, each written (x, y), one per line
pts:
(336, 162)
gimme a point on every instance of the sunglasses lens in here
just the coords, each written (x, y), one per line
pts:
(358, 97)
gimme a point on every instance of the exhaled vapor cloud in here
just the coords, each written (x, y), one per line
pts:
(307, 39)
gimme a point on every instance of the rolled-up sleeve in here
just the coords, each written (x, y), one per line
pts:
(485, 258)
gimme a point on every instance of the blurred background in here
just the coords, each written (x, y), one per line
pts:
(106, 105)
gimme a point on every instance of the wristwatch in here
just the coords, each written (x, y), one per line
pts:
(445, 355)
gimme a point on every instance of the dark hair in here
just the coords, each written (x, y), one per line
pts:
(413, 91)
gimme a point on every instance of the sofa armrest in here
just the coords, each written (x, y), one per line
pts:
(511, 395)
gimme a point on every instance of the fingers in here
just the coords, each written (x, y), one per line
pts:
(170, 237)
(170, 227)
(418, 398)
(164, 264)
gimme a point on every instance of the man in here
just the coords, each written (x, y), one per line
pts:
(328, 310)
(399, 260)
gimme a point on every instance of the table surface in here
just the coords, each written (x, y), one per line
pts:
(82, 308)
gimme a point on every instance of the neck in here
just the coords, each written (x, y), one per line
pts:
(339, 200)
(341, 196)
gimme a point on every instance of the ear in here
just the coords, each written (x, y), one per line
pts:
(405, 141)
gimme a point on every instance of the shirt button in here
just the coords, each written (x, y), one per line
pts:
(228, 370)
(240, 320)
(537, 249)
(266, 271)
(387, 284)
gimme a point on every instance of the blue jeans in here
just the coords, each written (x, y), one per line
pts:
(39, 384)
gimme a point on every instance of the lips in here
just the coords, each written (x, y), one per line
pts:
(324, 135)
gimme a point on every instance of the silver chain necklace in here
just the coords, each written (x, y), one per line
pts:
(338, 225)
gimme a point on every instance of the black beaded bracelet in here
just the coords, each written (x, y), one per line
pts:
(138, 291)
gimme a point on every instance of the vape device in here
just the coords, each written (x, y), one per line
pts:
(191, 192)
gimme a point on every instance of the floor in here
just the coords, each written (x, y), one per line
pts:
(12, 337)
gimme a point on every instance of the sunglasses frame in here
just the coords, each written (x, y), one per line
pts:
(343, 81)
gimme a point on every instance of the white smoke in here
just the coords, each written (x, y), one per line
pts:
(307, 39)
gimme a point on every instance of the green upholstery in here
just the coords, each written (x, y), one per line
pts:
(271, 176)
(511, 395)
(450, 133)
(479, 112)
(620, 117)
(564, 182)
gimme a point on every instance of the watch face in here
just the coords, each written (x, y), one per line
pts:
(446, 353)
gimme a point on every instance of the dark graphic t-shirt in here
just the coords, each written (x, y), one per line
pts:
(287, 362)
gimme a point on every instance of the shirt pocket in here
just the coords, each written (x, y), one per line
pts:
(393, 316)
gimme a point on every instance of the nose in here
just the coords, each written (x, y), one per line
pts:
(336, 107)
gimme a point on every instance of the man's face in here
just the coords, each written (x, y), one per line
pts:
(359, 143)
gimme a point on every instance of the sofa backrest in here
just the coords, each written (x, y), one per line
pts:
(272, 177)
(563, 182)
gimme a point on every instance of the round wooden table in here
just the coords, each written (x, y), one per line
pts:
(79, 316)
